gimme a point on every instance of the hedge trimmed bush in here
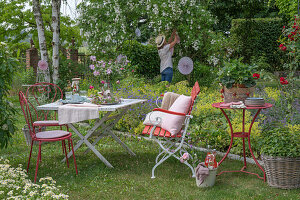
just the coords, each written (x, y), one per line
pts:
(145, 57)
(257, 37)
(7, 111)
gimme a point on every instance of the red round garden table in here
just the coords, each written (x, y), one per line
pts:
(243, 134)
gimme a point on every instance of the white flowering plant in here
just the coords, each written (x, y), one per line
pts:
(108, 23)
(14, 184)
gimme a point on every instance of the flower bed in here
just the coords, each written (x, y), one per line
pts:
(14, 184)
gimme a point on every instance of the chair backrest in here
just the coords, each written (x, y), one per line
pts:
(27, 113)
(41, 93)
(194, 94)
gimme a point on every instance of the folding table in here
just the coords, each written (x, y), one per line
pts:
(101, 129)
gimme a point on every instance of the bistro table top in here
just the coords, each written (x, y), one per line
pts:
(124, 103)
(218, 105)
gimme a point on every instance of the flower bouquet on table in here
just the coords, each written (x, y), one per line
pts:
(103, 96)
(237, 80)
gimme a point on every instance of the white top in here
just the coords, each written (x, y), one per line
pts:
(124, 103)
(165, 55)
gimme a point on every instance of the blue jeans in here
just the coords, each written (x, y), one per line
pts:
(167, 74)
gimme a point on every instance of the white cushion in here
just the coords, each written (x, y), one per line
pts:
(173, 123)
(170, 122)
(154, 117)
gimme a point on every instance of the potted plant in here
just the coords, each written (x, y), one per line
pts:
(237, 80)
(280, 149)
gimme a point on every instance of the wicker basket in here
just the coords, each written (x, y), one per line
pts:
(282, 172)
(236, 94)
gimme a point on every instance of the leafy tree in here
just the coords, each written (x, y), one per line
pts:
(109, 23)
(18, 25)
(7, 112)
(287, 7)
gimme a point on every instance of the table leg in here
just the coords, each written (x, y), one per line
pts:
(107, 131)
(84, 139)
(249, 143)
(121, 143)
(243, 131)
(231, 140)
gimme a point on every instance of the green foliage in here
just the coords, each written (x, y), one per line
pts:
(7, 111)
(286, 7)
(109, 24)
(145, 57)
(21, 77)
(280, 141)
(290, 43)
(18, 24)
(235, 72)
(69, 69)
(233, 9)
(204, 74)
(256, 37)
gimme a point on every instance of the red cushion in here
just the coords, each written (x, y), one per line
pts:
(46, 123)
(52, 134)
(160, 132)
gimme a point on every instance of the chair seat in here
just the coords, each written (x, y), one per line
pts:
(51, 134)
(160, 132)
(46, 123)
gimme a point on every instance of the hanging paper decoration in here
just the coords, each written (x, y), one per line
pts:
(43, 65)
(185, 65)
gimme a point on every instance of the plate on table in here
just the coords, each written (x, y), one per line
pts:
(109, 103)
(71, 102)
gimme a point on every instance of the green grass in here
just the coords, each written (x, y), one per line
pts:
(131, 176)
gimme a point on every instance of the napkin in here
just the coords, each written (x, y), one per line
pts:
(72, 113)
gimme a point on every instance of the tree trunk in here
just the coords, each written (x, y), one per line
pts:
(41, 34)
(55, 42)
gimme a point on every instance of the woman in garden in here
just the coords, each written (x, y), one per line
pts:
(165, 53)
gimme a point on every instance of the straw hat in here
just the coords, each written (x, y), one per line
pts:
(160, 40)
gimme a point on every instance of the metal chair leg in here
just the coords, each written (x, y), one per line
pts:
(160, 162)
(64, 146)
(73, 155)
(37, 161)
(29, 155)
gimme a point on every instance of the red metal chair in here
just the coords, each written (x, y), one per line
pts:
(171, 145)
(41, 93)
(43, 136)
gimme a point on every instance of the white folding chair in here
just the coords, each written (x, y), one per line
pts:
(171, 145)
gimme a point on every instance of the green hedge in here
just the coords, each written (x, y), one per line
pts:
(258, 37)
(8, 67)
(145, 57)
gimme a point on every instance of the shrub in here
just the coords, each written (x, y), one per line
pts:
(7, 112)
(15, 185)
(256, 37)
(280, 140)
(22, 77)
(145, 57)
(69, 69)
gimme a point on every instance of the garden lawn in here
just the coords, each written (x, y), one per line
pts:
(131, 176)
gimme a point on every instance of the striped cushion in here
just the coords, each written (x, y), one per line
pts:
(51, 134)
(46, 123)
(160, 132)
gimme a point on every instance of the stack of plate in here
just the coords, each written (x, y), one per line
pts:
(251, 101)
